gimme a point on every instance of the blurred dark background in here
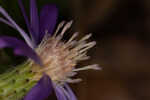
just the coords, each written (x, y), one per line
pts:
(122, 31)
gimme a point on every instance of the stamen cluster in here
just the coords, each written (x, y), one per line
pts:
(60, 58)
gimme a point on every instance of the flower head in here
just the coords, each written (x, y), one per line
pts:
(54, 60)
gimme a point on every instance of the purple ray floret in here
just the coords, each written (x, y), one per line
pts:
(34, 19)
(38, 25)
(60, 94)
(70, 93)
(13, 23)
(20, 48)
(41, 90)
(25, 17)
(64, 93)
(48, 17)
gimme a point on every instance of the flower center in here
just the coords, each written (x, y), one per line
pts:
(60, 58)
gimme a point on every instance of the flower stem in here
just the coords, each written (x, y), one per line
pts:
(15, 83)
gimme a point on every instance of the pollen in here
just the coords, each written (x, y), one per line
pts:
(60, 56)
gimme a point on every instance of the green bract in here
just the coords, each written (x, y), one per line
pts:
(15, 83)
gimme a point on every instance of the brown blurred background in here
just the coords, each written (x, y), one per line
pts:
(122, 31)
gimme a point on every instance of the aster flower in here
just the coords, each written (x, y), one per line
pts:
(53, 60)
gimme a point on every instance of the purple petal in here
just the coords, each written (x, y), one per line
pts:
(41, 90)
(64, 93)
(24, 15)
(20, 48)
(70, 92)
(48, 17)
(34, 19)
(20, 30)
(60, 93)
(7, 22)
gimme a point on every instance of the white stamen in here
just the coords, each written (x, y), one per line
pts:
(94, 67)
(66, 27)
(89, 45)
(69, 80)
(71, 44)
(86, 37)
(80, 58)
(73, 36)
(58, 28)
(71, 74)
(79, 46)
